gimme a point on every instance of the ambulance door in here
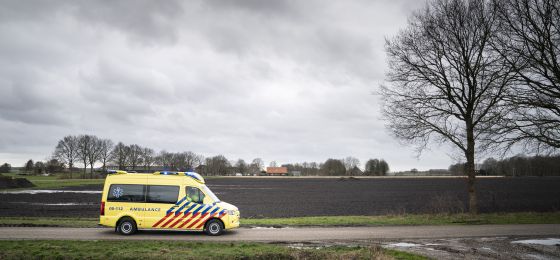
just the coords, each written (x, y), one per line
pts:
(199, 211)
(125, 200)
(162, 204)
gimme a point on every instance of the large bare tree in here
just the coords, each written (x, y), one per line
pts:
(67, 151)
(445, 83)
(529, 40)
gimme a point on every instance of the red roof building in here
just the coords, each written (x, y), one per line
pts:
(277, 170)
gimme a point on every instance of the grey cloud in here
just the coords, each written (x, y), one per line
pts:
(283, 80)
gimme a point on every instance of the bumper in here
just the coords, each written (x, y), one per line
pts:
(232, 221)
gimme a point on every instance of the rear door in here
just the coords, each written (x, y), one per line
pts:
(162, 202)
(125, 199)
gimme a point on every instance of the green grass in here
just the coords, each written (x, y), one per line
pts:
(412, 219)
(389, 220)
(51, 222)
(54, 182)
(53, 249)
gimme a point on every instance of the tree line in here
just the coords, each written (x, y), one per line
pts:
(86, 151)
(349, 166)
(483, 76)
(519, 165)
(89, 150)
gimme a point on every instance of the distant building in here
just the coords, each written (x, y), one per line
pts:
(295, 173)
(277, 170)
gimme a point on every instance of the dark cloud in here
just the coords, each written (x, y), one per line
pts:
(282, 80)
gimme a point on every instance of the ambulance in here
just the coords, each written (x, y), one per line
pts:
(163, 200)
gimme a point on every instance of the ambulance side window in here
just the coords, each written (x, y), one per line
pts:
(162, 194)
(195, 195)
(127, 193)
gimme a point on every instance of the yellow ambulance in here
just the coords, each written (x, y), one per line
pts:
(163, 200)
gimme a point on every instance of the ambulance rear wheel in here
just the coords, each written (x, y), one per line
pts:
(214, 227)
(126, 226)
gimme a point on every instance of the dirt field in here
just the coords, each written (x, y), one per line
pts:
(289, 197)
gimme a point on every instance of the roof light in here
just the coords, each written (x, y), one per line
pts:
(168, 173)
(195, 176)
(116, 172)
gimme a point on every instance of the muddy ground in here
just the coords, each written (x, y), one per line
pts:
(292, 197)
(507, 247)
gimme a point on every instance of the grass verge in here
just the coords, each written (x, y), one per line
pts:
(54, 182)
(389, 220)
(412, 219)
(53, 249)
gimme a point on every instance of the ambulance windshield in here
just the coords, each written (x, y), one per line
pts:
(208, 192)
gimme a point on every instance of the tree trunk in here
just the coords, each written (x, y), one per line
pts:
(70, 168)
(91, 171)
(470, 169)
(85, 171)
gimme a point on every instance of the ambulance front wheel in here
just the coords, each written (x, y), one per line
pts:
(214, 227)
(126, 226)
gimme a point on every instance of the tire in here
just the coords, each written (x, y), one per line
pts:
(126, 227)
(214, 227)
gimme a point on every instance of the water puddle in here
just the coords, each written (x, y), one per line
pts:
(544, 242)
(403, 245)
(51, 191)
(270, 228)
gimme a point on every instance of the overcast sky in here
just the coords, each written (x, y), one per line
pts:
(289, 81)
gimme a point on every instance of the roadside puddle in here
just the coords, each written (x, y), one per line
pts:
(544, 242)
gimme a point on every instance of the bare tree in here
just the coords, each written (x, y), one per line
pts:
(67, 151)
(148, 157)
(192, 160)
(350, 163)
(85, 145)
(529, 40)
(383, 167)
(106, 146)
(333, 167)
(273, 164)
(256, 166)
(165, 159)
(241, 166)
(119, 155)
(217, 165)
(134, 155)
(445, 81)
(94, 153)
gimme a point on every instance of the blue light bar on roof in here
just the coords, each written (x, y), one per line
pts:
(195, 176)
(116, 172)
(168, 173)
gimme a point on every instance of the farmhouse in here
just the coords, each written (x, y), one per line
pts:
(277, 170)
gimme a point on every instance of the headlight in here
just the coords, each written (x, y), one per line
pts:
(231, 212)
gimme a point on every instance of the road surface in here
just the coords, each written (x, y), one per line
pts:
(299, 234)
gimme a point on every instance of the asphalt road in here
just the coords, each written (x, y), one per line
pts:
(290, 234)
